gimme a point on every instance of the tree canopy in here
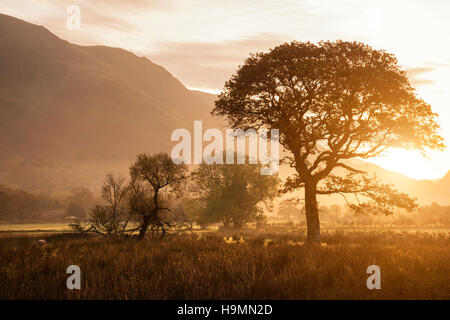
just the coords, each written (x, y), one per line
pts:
(231, 194)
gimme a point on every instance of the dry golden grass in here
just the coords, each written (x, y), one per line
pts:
(413, 266)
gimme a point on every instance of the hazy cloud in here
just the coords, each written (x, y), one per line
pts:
(204, 64)
(415, 75)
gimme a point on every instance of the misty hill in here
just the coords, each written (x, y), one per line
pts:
(208, 98)
(426, 191)
(69, 113)
(445, 181)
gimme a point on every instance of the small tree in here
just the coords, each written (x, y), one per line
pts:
(231, 193)
(152, 176)
(332, 101)
(111, 219)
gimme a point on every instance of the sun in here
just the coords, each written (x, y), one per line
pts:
(411, 164)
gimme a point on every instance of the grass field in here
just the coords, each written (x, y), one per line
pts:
(34, 227)
(413, 266)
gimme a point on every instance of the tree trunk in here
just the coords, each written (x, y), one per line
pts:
(144, 227)
(312, 214)
(226, 223)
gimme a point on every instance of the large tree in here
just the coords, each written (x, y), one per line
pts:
(332, 101)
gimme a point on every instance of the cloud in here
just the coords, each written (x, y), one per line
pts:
(94, 19)
(114, 14)
(120, 5)
(210, 64)
(415, 75)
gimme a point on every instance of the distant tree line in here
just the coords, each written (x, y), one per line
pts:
(290, 210)
(20, 206)
(160, 196)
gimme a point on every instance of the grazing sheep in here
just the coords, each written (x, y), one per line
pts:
(41, 242)
(229, 240)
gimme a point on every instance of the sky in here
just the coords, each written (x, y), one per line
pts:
(202, 42)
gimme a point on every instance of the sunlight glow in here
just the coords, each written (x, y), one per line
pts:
(411, 164)
(207, 90)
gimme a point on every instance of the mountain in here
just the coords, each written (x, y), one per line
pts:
(426, 191)
(445, 181)
(208, 98)
(68, 113)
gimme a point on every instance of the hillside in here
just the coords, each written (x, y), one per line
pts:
(426, 191)
(69, 113)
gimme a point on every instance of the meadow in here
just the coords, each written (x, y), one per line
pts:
(26, 228)
(263, 265)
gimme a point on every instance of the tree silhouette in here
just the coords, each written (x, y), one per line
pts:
(112, 218)
(151, 176)
(332, 101)
(232, 194)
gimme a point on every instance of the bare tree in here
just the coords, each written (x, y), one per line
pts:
(112, 219)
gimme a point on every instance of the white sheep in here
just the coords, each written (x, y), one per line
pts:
(229, 240)
(41, 242)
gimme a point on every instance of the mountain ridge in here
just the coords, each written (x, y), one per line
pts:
(65, 105)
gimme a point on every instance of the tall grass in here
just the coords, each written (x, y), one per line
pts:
(413, 266)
